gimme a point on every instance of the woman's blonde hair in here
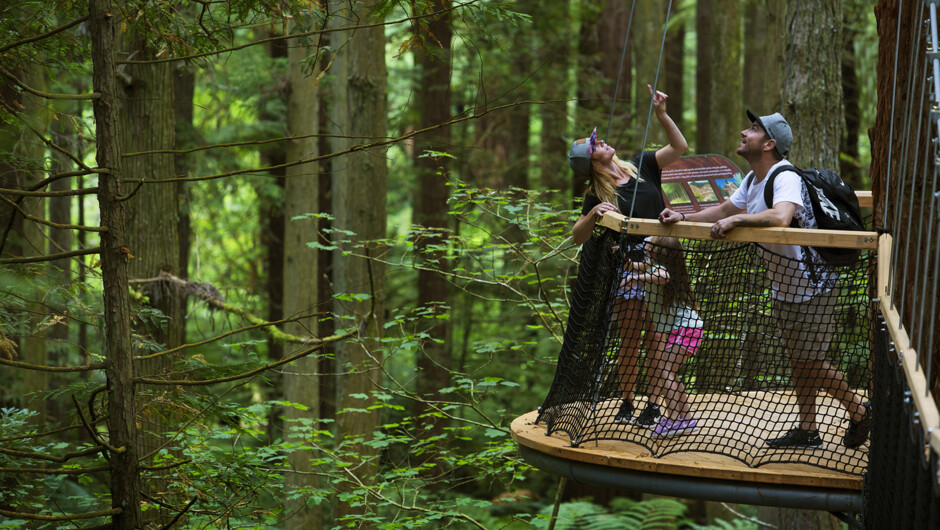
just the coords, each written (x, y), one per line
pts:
(603, 183)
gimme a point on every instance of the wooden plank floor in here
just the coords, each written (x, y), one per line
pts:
(735, 424)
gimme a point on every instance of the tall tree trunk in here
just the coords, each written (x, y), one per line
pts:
(849, 164)
(359, 195)
(60, 212)
(301, 380)
(704, 12)
(327, 326)
(271, 212)
(812, 108)
(184, 88)
(674, 67)
(719, 64)
(765, 56)
(648, 25)
(147, 122)
(433, 95)
(554, 57)
(20, 236)
(122, 406)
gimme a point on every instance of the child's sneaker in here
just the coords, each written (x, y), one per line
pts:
(669, 427)
(649, 416)
(625, 412)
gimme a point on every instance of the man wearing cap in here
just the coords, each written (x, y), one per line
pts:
(804, 290)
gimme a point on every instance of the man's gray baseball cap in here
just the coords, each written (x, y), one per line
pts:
(579, 157)
(777, 129)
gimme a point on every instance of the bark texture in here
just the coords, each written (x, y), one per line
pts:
(122, 406)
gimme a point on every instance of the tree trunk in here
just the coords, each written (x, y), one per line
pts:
(147, 122)
(765, 58)
(704, 12)
(359, 195)
(719, 96)
(26, 237)
(327, 326)
(649, 21)
(301, 380)
(271, 214)
(849, 164)
(554, 56)
(813, 110)
(122, 407)
(184, 88)
(60, 212)
(434, 95)
(674, 67)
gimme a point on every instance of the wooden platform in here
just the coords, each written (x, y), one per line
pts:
(632, 456)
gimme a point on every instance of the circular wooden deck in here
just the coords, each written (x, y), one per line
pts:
(616, 463)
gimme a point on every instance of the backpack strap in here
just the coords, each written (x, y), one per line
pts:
(769, 187)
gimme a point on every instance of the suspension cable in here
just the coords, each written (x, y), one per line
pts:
(649, 114)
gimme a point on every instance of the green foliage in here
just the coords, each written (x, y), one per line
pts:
(625, 514)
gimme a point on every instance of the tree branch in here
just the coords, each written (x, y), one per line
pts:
(328, 156)
(41, 36)
(50, 223)
(47, 95)
(299, 35)
(63, 193)
(51, 257)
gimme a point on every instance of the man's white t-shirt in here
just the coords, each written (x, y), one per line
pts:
(796, 273)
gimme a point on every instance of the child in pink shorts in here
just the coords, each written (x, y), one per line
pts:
(677, 330)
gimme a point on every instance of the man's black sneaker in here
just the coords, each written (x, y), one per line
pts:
(795, 437)
(625, 412)
(649, 416)
(858, 431)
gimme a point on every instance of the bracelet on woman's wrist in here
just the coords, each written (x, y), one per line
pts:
(683, 215)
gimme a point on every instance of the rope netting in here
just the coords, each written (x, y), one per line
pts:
(707, 331)
(901, 486)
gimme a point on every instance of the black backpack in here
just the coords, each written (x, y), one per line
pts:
(835, 207)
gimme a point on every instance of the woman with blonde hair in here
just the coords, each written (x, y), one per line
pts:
(634, 189)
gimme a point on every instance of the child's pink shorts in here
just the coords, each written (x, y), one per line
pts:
(688, 338)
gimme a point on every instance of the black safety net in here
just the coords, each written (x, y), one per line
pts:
(902, 488)
(692, 345)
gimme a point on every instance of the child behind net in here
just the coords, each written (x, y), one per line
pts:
(677, 329)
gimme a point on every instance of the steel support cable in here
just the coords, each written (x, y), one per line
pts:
(915, 40)
(933, 297)
(649, 114)
(894, 88)
(913, 255)
(935, 113)
(905, 165)
(919, 139)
